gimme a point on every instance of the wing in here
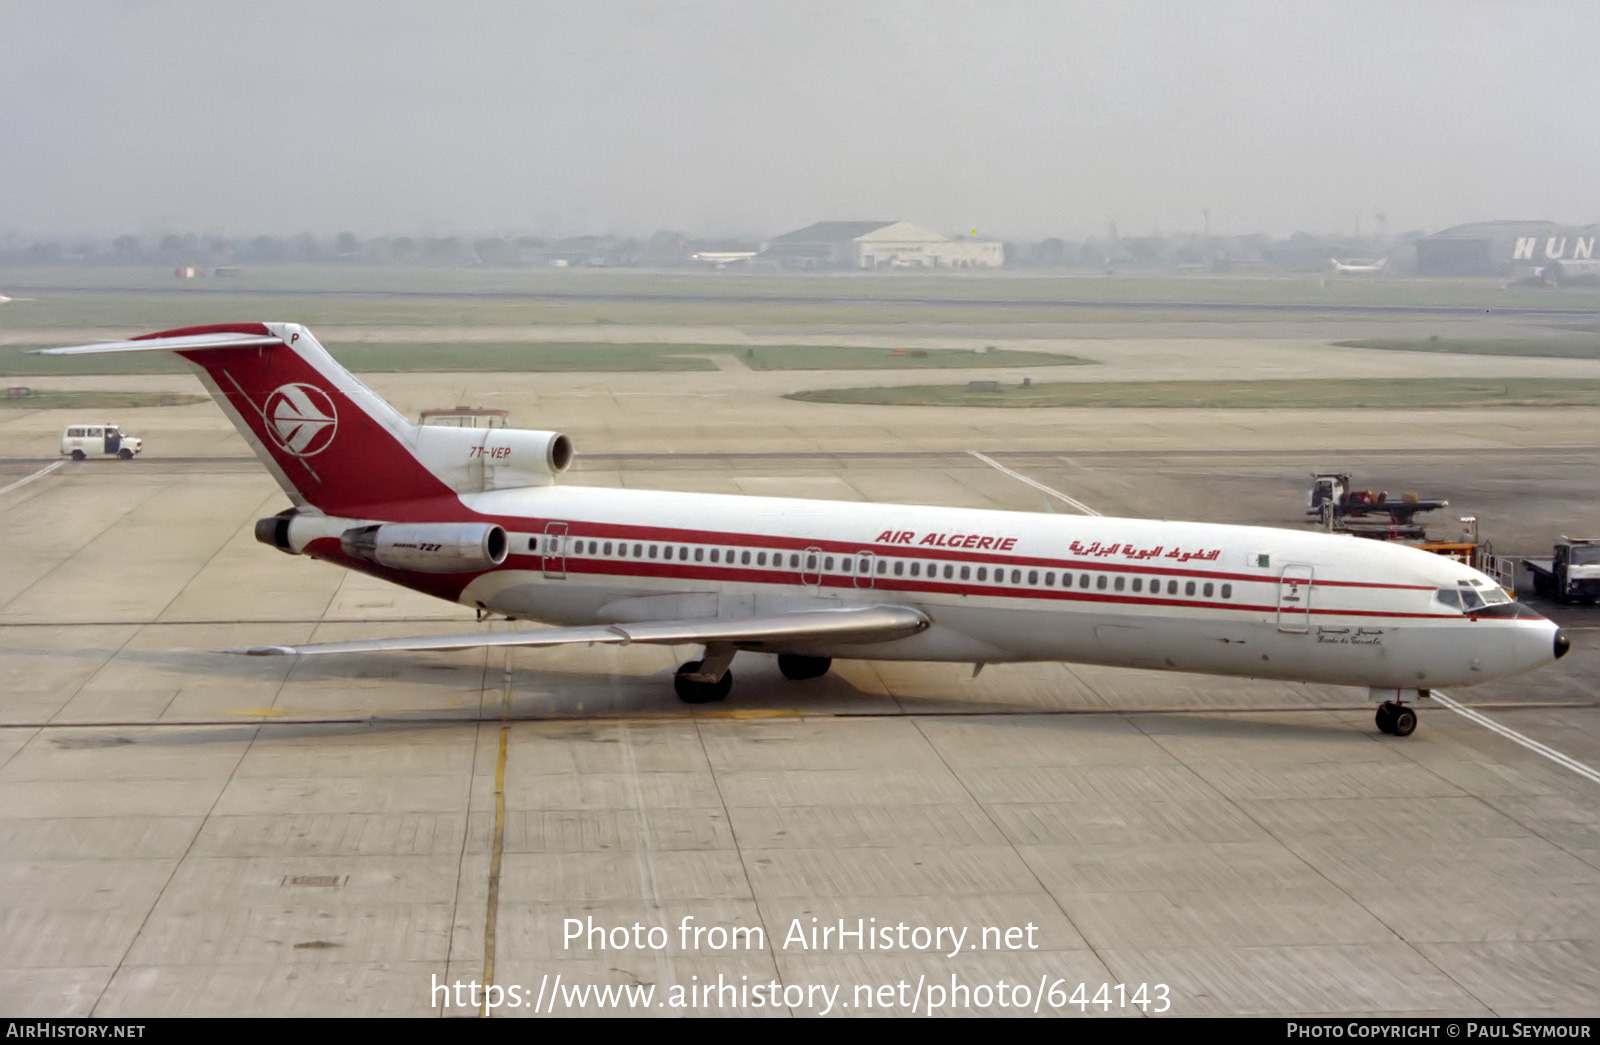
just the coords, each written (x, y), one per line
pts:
(805, 628)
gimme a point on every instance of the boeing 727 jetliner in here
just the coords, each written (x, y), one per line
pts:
(476, 516)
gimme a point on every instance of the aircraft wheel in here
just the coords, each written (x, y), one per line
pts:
(796, 668)
(126, 455)
(1385, 716)
(1405, 722)
(78, 455)
(700, 692)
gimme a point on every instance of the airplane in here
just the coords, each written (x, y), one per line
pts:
(723, 258)
(1350, 268)
(476, 516)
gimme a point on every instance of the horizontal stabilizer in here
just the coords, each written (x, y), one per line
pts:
(165, 344)
(805, 628)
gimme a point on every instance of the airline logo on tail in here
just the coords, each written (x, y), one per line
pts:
(301, 419)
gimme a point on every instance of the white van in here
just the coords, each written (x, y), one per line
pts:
(99, 440)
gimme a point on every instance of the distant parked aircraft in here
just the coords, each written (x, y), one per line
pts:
(722, 258)
(1358, 265)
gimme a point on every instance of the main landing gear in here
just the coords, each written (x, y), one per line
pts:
(706, 680)
(796, 668)
(692, 691)
(1396, 719)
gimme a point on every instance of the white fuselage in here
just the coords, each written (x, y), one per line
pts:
(1006, 586)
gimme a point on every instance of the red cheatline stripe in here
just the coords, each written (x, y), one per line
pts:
(788, 577)
(648, 534)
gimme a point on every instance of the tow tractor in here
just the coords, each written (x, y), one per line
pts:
(1571, 573)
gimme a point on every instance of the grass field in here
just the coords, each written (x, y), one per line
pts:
(98, 399)
(150, 298)
(1013, 285)
(548, 357)
(1582, 347)
(1297, 394)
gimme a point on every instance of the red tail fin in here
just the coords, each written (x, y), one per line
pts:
(327, 438)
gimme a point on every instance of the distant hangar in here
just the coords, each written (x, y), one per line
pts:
(878, 244)
(1500, 248)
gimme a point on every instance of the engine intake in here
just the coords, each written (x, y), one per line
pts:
(428, 547)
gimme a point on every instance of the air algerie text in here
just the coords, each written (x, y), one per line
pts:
(947, 540)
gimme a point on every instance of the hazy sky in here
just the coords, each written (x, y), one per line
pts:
(1019, 119)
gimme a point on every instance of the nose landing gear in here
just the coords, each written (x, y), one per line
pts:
(1396, 719)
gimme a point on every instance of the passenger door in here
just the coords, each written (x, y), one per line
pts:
(555, 551)
(1294, 598)
(866, 563)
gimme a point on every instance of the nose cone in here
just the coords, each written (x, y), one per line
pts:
(1563, 644)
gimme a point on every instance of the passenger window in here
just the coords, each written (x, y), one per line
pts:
(744, 558)
(1016, 576)
(899, 568)
(622, 550)
(1172, 587)
(966, 572)
(533, 544)
(1050, 580)
(882, 567)
(716, 553)
(761, 558)
(1138, 584)
(794, 560)
(1206, 591)
(983, 573)
(1188, 589)
(827, 564)
(1120, 581)
(608, 547)
(699, 555)
(811, 563)
(1100, 582)
(1083, 580)
(1227, 591)
(638, 551)
(653, 551)
(949, 571)
(1033, 576)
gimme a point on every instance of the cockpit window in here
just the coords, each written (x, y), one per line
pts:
(1469, 599)
(1586, 555)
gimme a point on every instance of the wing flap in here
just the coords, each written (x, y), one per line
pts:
(854, 625)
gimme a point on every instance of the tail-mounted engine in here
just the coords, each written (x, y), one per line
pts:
(428, 547)
(472, 460)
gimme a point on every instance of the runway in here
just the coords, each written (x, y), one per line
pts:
(187, 833)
